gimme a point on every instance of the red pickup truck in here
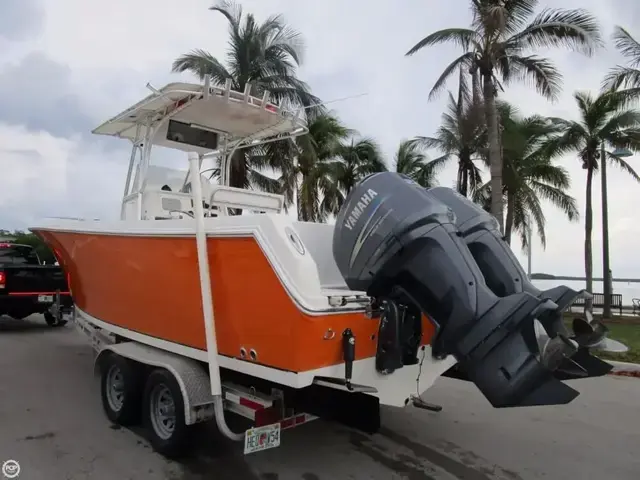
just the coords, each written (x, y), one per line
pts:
(27, 286)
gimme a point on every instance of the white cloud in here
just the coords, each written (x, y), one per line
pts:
(48, 176)
(36, 163)
(106, 55)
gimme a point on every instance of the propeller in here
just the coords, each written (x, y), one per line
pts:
(568, 356)
(590, 333)
(556, 352)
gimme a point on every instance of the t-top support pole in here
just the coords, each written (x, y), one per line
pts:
(205, 278)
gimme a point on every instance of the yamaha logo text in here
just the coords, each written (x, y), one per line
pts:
(356, 211)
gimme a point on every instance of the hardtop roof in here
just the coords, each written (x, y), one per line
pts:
(234, 115)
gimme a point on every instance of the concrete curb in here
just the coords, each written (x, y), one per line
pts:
(625, 369)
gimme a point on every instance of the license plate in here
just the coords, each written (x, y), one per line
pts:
(262, 438)
(45, 298)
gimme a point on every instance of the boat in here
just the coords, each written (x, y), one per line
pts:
(377, 306)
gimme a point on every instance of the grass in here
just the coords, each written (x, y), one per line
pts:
(629, 334)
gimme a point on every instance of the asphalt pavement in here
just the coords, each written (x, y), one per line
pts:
(52, 425)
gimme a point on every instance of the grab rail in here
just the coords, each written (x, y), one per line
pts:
(232, 197)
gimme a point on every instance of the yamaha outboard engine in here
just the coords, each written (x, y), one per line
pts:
(505, 276)
(399, 243)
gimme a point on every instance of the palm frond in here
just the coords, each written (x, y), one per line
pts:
(623, 165)
(569, 141)
(427, 175)
(576, 29)
(619, 121)
(534, 209)
(201, 63)
(263, 182)
(232, 11)
(465, 95)
(463, 60)
(518, 12)
(429, 142)
(546, 78)
(558, 198)
(621, 77)
(463, 37)
(627, 45)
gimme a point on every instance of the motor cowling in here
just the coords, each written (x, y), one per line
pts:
(399, 243)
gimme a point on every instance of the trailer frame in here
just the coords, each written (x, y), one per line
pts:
(267, 413)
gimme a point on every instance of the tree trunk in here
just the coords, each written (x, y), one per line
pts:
(511, 200)
(302, 213)
(475, 87)
(463, 182)
(495, 158)
(460, 102)
(588, 227)
(463, 177)
(238, 176)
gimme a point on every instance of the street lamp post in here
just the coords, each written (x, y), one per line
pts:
(529, 239)
(606, 272)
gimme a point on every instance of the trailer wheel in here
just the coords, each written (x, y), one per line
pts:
(120, 389)
(163, 412)
(53, 320)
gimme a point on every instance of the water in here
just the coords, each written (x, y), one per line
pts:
(626, 289)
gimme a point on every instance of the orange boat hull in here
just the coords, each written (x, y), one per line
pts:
(151, 285)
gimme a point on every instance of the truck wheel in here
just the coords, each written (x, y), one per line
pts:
(54, 321)
(120, 389)
(163, 414)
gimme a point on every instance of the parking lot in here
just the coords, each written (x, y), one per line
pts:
(52, 424)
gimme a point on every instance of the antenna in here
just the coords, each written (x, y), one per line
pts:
(152, 88)
(330, 101)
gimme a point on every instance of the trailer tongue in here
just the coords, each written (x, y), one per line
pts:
(402, 245)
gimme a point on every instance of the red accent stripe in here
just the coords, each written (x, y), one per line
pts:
(24, 294)
(245, 402)
(286, 423)
(293, 421)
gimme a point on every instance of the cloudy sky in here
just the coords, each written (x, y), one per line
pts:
(67, 65)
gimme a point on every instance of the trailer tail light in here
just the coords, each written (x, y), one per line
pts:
(3, 279)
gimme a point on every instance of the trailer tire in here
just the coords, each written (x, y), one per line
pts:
(120, 389)
(54, 321)
(163, 414)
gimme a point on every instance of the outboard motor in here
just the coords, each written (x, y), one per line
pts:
(505, 276)
(399, 243)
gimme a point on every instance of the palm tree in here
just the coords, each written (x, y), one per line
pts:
(328, 162)
(603, 119)
(355, 160)
(495, 45)
(265, 56)
(410, 161)
(460, 135)
(313, 175)
(529, 175)
(625, 77)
